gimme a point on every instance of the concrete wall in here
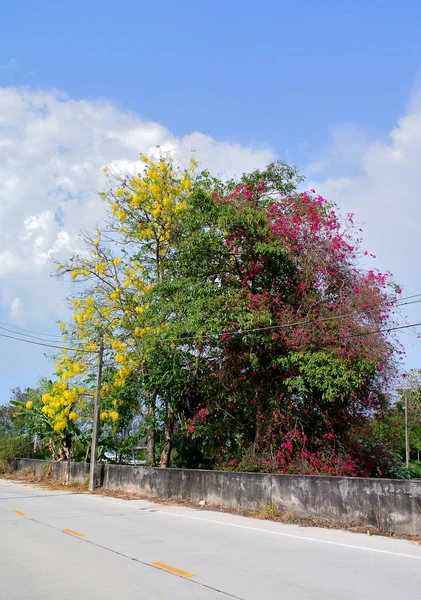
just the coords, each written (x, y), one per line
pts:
(63, 471)
(390, 504)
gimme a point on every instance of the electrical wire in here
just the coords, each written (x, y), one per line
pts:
(15, 329)
(381, 330)
(300, 323)
(397, 302)
(352, 335)
(28, 330)
(34, 337)
(47, 345)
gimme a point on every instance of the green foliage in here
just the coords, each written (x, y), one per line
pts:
(189, 452)
(381, 461)
(13, 446)
(415, 469)
(236, 317)
(323, 375)
(17, 432)
(28, 415)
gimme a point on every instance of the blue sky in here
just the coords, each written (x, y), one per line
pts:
(280, 72)
(330, 86)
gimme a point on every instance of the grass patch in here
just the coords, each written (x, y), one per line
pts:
(268, 511)
(6, 466)
(77, 485)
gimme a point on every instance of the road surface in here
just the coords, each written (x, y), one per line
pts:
(78, 546)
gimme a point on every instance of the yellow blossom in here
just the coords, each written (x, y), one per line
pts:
(60, 425)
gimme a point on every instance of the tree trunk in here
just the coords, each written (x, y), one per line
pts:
(258, 427)
(150, 434)
(168, 438)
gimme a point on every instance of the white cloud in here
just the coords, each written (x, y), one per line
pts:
(52, 151)
(380, 181)
(15, 311)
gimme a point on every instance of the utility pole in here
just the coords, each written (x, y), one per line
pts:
(95, 428)
(406, 432)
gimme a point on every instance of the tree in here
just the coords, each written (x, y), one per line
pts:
(24, 430)
(237, 321)
(267, 289)
(410, 396)
(116, 272)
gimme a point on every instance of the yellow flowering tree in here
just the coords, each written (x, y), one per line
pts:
(115, 275)
(46, 415)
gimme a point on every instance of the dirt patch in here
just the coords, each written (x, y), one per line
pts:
(265, 512)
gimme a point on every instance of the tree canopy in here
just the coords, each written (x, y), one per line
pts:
(241, 329)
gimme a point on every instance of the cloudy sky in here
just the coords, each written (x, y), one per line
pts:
(84, 85)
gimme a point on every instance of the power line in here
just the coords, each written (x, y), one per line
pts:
(407, 297)
(308, 322)
(361, 334)
(28, 330)
(398, 302)
(28, 335)
(401, 299)
(11, 337)
(186, 338)
(338, 337)
(381, 330)
(15, 329)
(345, 336)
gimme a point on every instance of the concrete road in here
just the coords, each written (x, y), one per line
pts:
(79, 546)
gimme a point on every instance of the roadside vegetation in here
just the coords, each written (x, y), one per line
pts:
(242, 330)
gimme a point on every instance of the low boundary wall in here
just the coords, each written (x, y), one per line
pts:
(392, 505)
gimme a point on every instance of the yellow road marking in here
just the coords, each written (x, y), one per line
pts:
(172, 569)
(19, 512)
(71, 532)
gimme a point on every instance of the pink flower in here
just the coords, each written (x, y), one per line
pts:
(191, 430)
